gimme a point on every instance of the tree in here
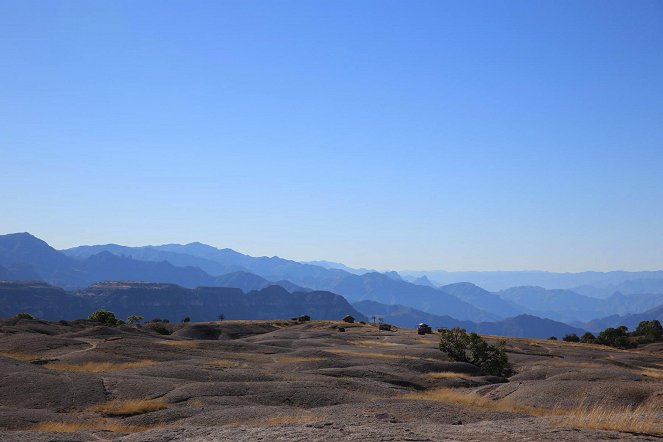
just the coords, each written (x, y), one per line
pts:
(222, 316)
(105, 317)
(615, 337)
(24, 315)
(186, 319)
(463, 347)
(648, 331)
(134, 319)
(587, 338)
(571, 338)
(552, 338)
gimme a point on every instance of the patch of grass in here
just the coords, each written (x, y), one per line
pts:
(225, 363)
(653, 373)
(98, 367)
(181, 344)
(18, 355)
(130, 407)
(641, 419)
(449, 375)
(376, 343)
(343, 352)
(71, 427)
(300, 359)
(284, 419)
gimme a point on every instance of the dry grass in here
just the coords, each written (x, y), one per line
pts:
(449, 375)
(300, 359)
(644, 419)
(653, 373)
(376, 343)
(224, 363)
(641, 419)
(181, 344)
(343, 352)
(18, 355)
(284, 419)
(130, 407)
(99, 367)
(71, 427)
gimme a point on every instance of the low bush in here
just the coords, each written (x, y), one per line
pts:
(571, 338)
(470, 347)
(24, 316)
(105, 317)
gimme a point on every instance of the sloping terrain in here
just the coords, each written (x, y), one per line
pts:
(266, 380)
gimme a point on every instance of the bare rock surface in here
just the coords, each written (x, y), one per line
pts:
(280, 380)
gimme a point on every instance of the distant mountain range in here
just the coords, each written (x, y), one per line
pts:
(169, 301)
(24, 257)
(518, 326)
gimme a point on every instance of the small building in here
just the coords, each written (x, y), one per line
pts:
(349, 319)
(424, 329)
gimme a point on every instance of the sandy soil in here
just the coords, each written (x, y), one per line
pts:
(262, 380)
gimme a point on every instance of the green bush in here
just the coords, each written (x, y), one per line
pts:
(552, 338)
(105, 317)
(463, 347)
(186, 319)
(571, 338)
(134, 319)
(615, 337)
(24, 315)
(587, 338)
(648, 331)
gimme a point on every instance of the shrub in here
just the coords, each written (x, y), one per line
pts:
(648, 331)
(134, 319)
(615, 337)
(587, 338)
(463, 347)
(105, 317)
(571, 338)
(552, 338)
(24, 315)
(186, 319)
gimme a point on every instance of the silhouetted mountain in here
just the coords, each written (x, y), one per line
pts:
(338, 266)
(423, 280)
(248, 282)
(631, 321)
(483, 299)
(381, 288)
(170, 301)
(495, 281)
(18, 272)
(524, 326)
(223, 261)
(630, 287)
(563, 305)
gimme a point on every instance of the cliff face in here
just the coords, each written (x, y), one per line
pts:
(169, 301)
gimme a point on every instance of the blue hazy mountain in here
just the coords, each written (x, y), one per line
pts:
(483, 299)
(501, 280)
(524, 326)
(169, 301)
(631, 320)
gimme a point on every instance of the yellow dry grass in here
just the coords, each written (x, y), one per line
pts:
(297, 360)
(644, 419)
(284, 419)
(448, 375)
(653, 373)
(181, 344)
(130, 407)
(376, 343)
(71, 427)
(342, 352)
(224, 363)
(18, 355)
(98, 367)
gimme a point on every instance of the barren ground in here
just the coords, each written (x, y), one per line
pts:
(271, 380)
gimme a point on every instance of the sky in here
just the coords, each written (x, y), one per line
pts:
(466, 135)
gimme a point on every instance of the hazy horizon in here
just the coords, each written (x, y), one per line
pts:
(389, 135)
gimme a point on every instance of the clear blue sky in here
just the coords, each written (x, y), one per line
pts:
(412, 134)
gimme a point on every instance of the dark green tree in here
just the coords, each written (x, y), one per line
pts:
(571, 338)
(23, 315)
(105, 317)
(463, 347)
